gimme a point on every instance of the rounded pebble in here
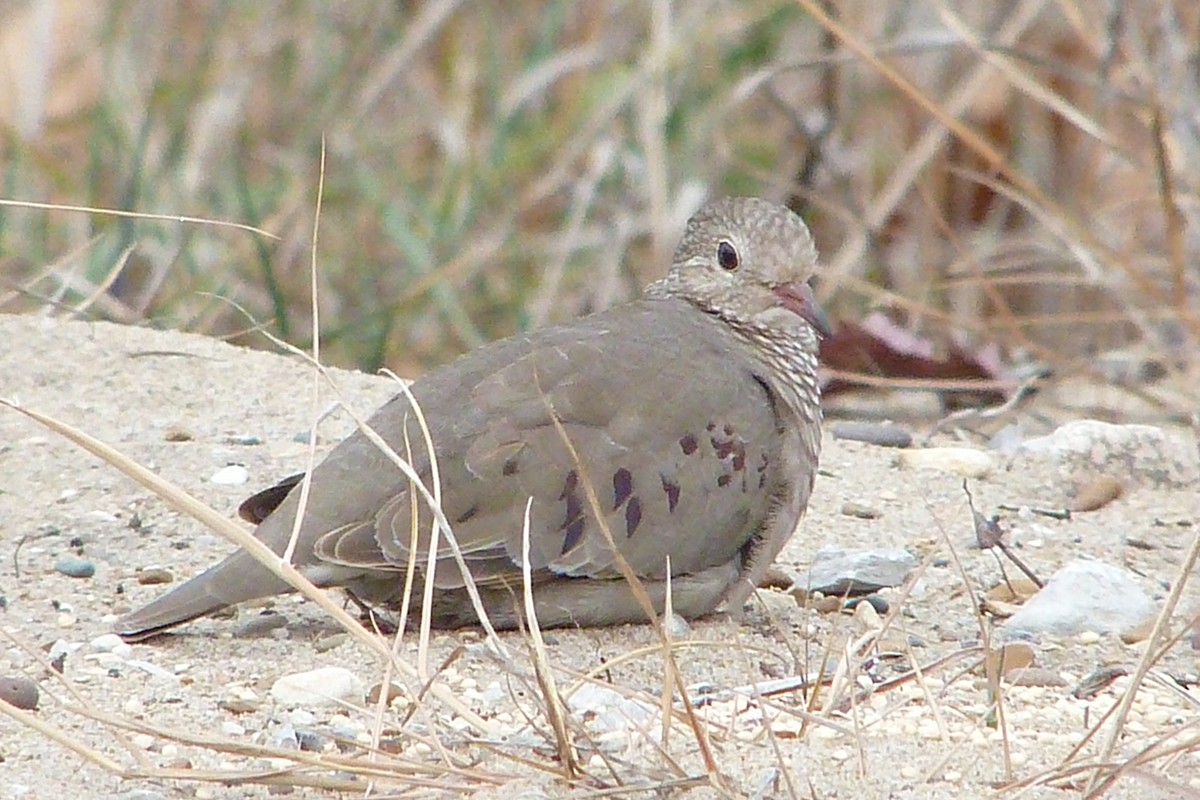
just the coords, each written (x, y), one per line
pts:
(232, 475)
(75, 567)
(876, 433)
(1089, 637)
(154, 576)
(325, 686)
(876, 602)
(19, 692)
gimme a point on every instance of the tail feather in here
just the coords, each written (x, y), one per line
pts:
(235, 580)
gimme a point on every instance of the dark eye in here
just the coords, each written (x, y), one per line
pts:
(727, 256)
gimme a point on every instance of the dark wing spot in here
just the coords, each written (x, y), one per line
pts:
(710, 427)
(510, 466)
(728, 429)
(723, 448)
(622, 487)
(723, 480)
(569, 485)
(466, 515)
(672, 490)
(573, 523)
(633, 516)
(688, 444)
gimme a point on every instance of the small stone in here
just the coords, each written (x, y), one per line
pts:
(111, 643)
(327, 643)
(875, 601)
(1009, 658)
(177, 435)
(326, 686)
(962, 461)
(394, 691)
(852, 509)
(232, 475)
(1097, 493)
(239, 705)
(883, 434)
(154, 576)
(841, 572)
(244, 440)
(259, 625)
(75, 567)
(19, 692)
(1089, 637)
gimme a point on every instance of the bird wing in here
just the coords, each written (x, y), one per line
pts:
(656, 407)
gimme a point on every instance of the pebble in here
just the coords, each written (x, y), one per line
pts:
(111, 643)
(19, 692)
(852, 509)
(327, 643)
(962, 461)
(883, 434)
(75, 567)
(325, 686)
(232, 475)
(154, 576)
(259, 625)
(245, 440)
(875, 601)
(840, 754)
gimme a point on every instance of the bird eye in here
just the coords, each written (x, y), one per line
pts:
(727, 256)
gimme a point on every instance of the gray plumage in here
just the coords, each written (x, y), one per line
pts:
(695, 415)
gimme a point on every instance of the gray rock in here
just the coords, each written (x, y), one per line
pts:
(1143, 454)
(75, 567)
(877, 433)
(838, 572)
(1084, 596)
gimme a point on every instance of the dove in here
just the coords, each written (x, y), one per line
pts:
(685, 423)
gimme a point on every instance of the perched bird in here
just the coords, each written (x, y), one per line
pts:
(694, 415)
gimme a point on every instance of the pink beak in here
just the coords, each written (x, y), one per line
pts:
(798, 298)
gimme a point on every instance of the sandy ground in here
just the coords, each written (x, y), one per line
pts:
(178, 403)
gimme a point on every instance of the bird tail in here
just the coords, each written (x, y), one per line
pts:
(235, 580)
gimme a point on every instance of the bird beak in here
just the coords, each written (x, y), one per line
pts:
(798, 298)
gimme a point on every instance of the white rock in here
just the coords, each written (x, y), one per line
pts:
(1085, 596)
(1142, 453)
(232, 475)
(111, 643)
(326, 686)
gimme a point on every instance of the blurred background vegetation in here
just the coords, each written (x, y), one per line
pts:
(1020, 174)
